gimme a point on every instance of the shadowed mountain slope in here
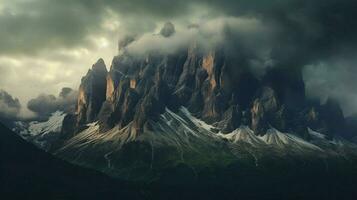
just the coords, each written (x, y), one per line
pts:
(30, 173)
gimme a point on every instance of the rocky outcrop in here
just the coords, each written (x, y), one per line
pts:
(288, 84)
(333, 116)
(92, 93)
(167, 30)
(263, 110)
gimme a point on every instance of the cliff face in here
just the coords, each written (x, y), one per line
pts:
(211, 84)
(92, 93)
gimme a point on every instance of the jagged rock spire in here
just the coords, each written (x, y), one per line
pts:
(92, 92)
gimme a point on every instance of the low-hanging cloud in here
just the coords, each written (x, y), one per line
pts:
(45, 104)
(240, 32)
(9, 106)
(334, 78)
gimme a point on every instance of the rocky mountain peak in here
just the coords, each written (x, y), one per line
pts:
(92, 93)
(210, 83)
(168, 29)
(99, 66)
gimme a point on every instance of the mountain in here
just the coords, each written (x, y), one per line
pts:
(198, 107)
(29, 173)
(92, 93)
(212, 84)
(201, 118)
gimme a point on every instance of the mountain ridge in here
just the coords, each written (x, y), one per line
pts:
(208, 84)
(27, 172)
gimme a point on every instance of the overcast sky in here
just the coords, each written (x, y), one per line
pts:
(46, 45)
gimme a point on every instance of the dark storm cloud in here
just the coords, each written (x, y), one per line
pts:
(305, 31)
(315, 26)
(295, 33)
(45, 104)
(28, 26)
(314, 30)
(31, 26)
(334, 77)
(9, 106)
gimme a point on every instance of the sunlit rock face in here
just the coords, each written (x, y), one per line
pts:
(110, 88)
(264, 110)
(132, 83)
(208, 65)
(92, 93)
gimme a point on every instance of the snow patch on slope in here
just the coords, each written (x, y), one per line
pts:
(283, 140)
(53, 125)
(180, 130)
(42, 134)
(315, 134)
(183, 129)
(93, 136)
(196, 121)
(243, 134)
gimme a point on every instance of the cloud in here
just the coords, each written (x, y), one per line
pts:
(46, 45)
(151, 42)
(125, 41)
(44, 104)
(30, 26)
(236, 32)
(9, 106)
(335, 77)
